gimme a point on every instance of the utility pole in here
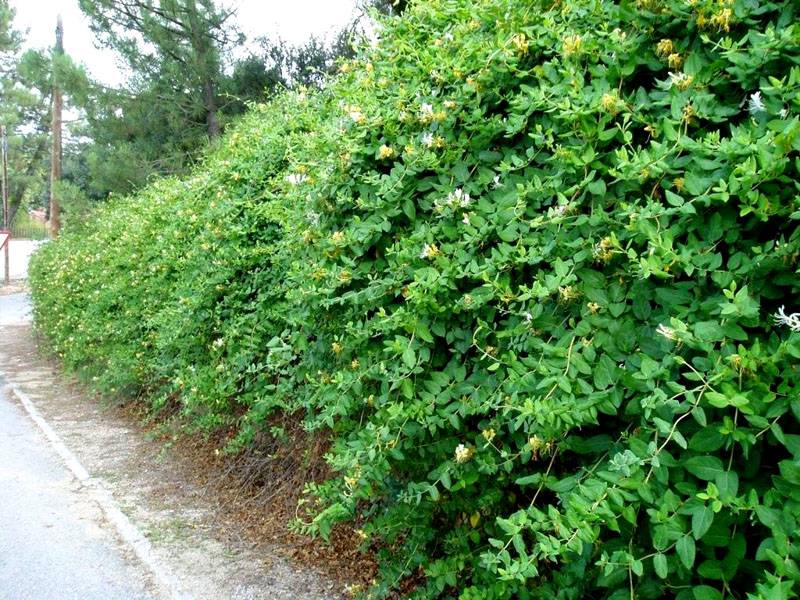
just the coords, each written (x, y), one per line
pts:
(55, 159)
(4, 192)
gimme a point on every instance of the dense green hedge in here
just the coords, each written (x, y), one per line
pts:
(521, 264)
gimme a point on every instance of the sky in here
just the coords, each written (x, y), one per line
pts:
(292, 20)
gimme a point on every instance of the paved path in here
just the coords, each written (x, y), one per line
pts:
(19, 254)
(53, 542)
(15, 309)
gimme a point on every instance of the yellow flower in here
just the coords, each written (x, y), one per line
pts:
(336, 347)
(569, 292)
(520, 43)
(385, 152)
(593, 307)
(488, 434)
(430, 251)
(603, 250)
(679, 182)
(610, 102)
(463, 453)
(337, 237)
(688, 113)
(664, 48)
(356, 115)
(722, 19)
(675, 61)
(572, 44)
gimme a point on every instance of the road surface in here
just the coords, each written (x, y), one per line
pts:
(19, 254)
(15, 309)
(54, 541)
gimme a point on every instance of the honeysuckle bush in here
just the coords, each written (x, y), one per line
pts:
(520, 265)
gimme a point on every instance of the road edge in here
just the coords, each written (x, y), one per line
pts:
(166, 584)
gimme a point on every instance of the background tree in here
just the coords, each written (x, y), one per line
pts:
(25, 102)
(174, 47)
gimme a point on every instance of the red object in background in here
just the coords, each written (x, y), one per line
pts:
(5, 236)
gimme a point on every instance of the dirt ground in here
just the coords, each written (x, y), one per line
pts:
(183, 496)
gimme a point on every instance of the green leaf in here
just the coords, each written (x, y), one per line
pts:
(409, 209)
(702, 517)
(660, 565)
(708, 331)
(728, 484)
(706, 468)
(707, 439)
(597, 187)
(423, 332)
(673, 198)
(705, 592)
(790, 471)
(529, 480)
(604, 373)
(409, 358)
(686, 550)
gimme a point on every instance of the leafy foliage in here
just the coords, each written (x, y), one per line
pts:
(520, 263)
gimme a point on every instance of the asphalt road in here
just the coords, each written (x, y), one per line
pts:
(15, 309)
(54, 542)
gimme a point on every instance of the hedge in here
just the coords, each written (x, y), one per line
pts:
(531, 267)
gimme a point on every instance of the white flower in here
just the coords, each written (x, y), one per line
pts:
(755, 104)
(784, 113)
(527, 316)
(459, 198)
(792, 321)
(219, 342)
(426, 111)
(429, 251)
(357, 116)
(427, 140)
(496, 182)
(667, 332)
(313, 218)
(295, 178)
(680, 80)
(465, 219)
(463, 453)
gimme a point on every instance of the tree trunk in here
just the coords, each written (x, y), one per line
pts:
(210, 103)
(55, 159)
